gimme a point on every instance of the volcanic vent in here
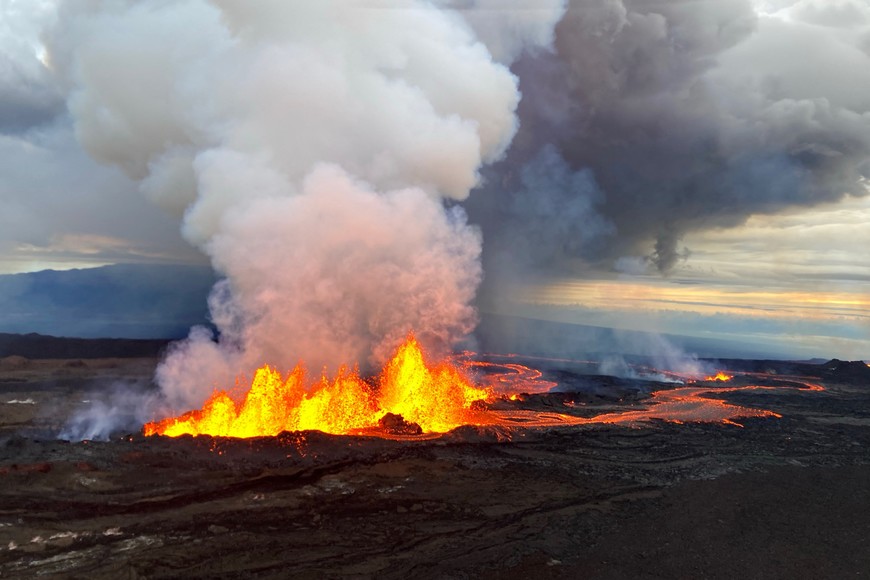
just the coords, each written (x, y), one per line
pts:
(434, 398)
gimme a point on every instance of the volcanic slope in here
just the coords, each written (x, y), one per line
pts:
(774, 498)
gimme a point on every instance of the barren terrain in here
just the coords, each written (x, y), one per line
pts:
(766, 497)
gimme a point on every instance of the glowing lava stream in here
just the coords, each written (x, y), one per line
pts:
(680, 405)
(438, 398)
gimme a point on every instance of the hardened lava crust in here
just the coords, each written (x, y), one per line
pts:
(777, 496)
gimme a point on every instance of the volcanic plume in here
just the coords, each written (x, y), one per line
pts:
(313, 151)
(652, 119)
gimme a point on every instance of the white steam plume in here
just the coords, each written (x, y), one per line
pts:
(335, 274)
(308, 147)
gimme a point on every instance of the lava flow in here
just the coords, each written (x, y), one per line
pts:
(435, 397)
(411, 398)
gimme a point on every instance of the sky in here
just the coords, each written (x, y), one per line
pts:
(59, 208)
(695, 168)
(794, 285)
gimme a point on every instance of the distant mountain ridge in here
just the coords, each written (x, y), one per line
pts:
(121, 301)
(38, 346)
(146, 301)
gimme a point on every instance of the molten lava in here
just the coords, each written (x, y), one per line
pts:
(436, 397)
(414, 399)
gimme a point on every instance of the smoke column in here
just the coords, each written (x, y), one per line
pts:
(658, 118)
(309, 149)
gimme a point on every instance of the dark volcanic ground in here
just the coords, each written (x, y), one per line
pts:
(776, 498)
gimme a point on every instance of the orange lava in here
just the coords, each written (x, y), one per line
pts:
(437, 397)
(689, 405)
(512, 380)
(681, 405)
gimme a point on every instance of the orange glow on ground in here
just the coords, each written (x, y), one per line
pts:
(720, 376)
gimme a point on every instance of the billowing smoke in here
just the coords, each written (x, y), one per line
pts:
(310, 148)
(125, 407)
(340, 274)
(657, 118)
(664, 356)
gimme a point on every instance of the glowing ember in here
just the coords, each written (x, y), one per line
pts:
(436, 397)
(720, 376)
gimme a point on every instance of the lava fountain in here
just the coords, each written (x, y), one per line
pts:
(415, 398)
(437, 397)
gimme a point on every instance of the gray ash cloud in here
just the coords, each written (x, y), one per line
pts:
(671, 116)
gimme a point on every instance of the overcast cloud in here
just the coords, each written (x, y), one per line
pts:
(58, 207)
(678, 116)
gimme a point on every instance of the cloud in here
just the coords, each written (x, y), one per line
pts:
(553, 208)
(718, 331)
(509, 27)
(57, 205)
(833, 13)
(791, 285)
(687, 115)
(58, 208)
(28, 94)
(817, 250)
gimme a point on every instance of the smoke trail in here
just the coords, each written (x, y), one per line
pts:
(308, 148)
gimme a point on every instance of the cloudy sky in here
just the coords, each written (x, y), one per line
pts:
(794, 284)
(692, 168)
(58, 207)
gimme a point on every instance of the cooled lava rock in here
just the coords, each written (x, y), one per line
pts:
(396, 425)
(847, 370)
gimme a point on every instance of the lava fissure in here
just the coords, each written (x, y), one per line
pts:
(414, 400)
(437, 398)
